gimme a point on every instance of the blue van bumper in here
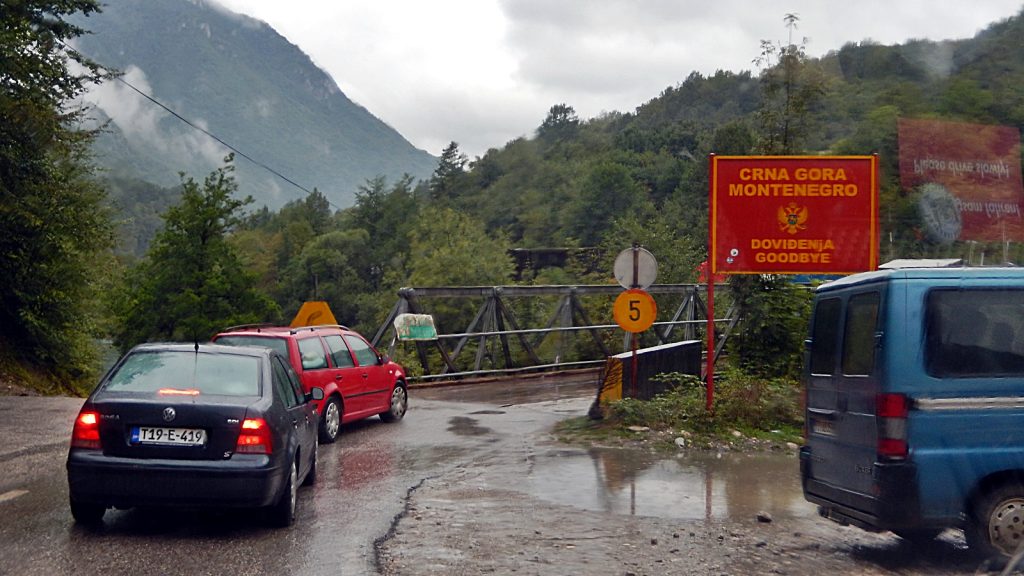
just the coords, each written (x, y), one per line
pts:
(894, 503)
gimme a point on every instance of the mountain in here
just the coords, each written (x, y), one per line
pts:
(241, 81)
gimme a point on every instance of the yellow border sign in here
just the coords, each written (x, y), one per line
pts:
(635, 310)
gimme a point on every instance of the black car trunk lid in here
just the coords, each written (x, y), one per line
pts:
(179, 428)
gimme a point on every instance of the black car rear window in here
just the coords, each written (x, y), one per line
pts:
(187, 372)
(279, 345)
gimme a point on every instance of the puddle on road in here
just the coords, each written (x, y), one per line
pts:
(695, 487)
(464, 426)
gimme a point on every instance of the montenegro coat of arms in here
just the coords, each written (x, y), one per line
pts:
(793, 218)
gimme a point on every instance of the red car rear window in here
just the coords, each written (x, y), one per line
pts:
(279, 345)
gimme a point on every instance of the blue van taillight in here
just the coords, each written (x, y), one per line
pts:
(891, 411)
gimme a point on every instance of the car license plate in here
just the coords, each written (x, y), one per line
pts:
(824, 427)
(169, 436)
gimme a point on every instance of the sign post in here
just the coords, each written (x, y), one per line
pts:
(635, 310)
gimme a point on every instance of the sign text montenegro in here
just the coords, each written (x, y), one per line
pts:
(794, 214)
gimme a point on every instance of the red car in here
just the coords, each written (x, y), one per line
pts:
(356, 379)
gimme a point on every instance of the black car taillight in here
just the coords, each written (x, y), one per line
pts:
(254, 437)
(86, 433)
(891, 411)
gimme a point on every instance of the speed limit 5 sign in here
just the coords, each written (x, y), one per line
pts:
(635, 310)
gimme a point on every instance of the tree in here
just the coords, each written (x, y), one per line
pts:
(314, 209)
(774, 313)
(54, 230)
(450, 175)
(452, 249)
(561, 123)
(34, 68)
(790, 87)
(608, 192)
(965, 99)
(192, 283)
(328, 269)
(388, 217)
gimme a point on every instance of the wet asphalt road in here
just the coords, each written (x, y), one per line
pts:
(459, 450)
(361, 487)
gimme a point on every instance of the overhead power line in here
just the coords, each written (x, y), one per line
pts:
(215, 137)
(220, 140)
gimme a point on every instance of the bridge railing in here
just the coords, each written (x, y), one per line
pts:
(495, 327)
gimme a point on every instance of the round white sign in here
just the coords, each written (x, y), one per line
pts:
(646, 268)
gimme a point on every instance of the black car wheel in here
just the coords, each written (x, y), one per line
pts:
(330, 422)
(399, 404)
(282, 514)
(90, 514)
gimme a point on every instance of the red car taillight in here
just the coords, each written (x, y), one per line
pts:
(254, 437)
(86, 433)
(891, 411)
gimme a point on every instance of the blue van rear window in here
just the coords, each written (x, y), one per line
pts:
(859, 336)
(974, 333)
(825, 336)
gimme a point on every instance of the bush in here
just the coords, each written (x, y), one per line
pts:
(774, 315)
(742, 402)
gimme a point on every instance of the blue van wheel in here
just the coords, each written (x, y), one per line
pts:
(996, 525)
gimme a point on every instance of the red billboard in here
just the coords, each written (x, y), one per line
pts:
(967, 176)
(793, 214)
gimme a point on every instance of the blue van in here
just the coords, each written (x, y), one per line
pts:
(915, 404)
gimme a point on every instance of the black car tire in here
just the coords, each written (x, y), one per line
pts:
(398, 406)
(995, 526)
(330, 421)
(282, 514)
(88, 514)
(310, 478)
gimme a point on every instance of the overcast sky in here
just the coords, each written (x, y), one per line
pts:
(483, 72)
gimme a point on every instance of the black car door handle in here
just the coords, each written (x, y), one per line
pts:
(365, 375)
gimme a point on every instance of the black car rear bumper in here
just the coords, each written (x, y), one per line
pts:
(241, 481)
(894, 503)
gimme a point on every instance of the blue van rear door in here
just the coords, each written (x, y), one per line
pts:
(842, 384)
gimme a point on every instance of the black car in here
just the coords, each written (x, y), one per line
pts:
(194, 426)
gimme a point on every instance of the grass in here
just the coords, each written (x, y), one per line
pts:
(749, 412)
